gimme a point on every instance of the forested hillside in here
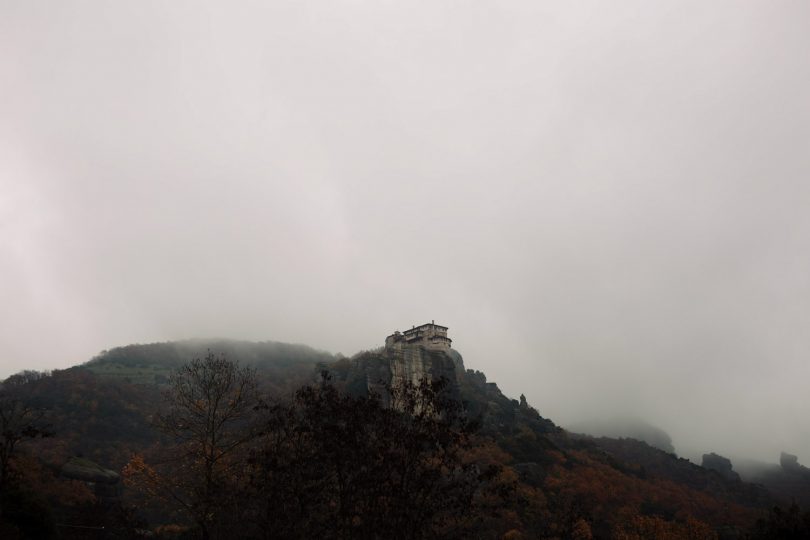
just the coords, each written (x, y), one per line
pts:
(279, 364)
(107, 450)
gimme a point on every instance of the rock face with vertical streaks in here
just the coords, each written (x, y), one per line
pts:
(371, 372)
(415, 363)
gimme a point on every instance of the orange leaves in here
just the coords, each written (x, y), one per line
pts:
(41, 480)
(135, 469)
(581, 530)
(513, 534)
(139, 475)
(639, 507)
(643, 527)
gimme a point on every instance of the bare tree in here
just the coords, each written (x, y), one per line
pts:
(335, 466)
(208, 415)
(18, 422)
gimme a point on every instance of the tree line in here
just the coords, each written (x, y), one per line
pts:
(226, 459)
(323, 464)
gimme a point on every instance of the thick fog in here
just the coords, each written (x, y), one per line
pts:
(607, 202)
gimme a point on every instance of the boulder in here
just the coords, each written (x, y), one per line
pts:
(789, 462)
(85, 470)
(720, 464)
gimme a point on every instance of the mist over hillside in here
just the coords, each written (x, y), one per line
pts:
(606, 202)
(117, 454)
(633, 428)
(295, 365)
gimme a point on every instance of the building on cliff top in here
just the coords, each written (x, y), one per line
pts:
(429, 335)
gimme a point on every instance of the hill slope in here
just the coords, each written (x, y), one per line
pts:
(561, 483)
(279, 364)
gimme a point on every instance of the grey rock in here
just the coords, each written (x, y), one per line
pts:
(372, 372)
(720, 464)
(87, 471)
(789, 462)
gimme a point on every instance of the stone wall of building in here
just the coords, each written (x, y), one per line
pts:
(429, 335)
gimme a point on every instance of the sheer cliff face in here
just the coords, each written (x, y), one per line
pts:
(415, 363)
(373, 371)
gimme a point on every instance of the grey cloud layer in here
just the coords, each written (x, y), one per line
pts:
(606, 202)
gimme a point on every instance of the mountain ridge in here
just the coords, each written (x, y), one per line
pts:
(106, 403)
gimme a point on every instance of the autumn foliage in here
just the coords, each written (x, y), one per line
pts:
(213, 455)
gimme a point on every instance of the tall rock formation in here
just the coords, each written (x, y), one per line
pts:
(721, 465)
(373, 371)
(789, 462)
(421, 353)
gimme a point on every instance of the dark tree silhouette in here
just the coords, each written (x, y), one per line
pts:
(783, 524)
(18, 422)
(335, 466)
(209, 404)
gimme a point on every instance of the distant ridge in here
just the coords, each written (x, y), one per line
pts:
(633, 428)
(152, 363)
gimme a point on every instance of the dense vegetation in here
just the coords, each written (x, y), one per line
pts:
(275, 441)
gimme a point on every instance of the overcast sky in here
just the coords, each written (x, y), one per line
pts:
(608, 203)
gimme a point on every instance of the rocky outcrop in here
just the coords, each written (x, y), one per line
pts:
(85, 470)
(721, 465)
(415, 363)
(789, 462)
(791, 466)
(373, 372)
(105, 483)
